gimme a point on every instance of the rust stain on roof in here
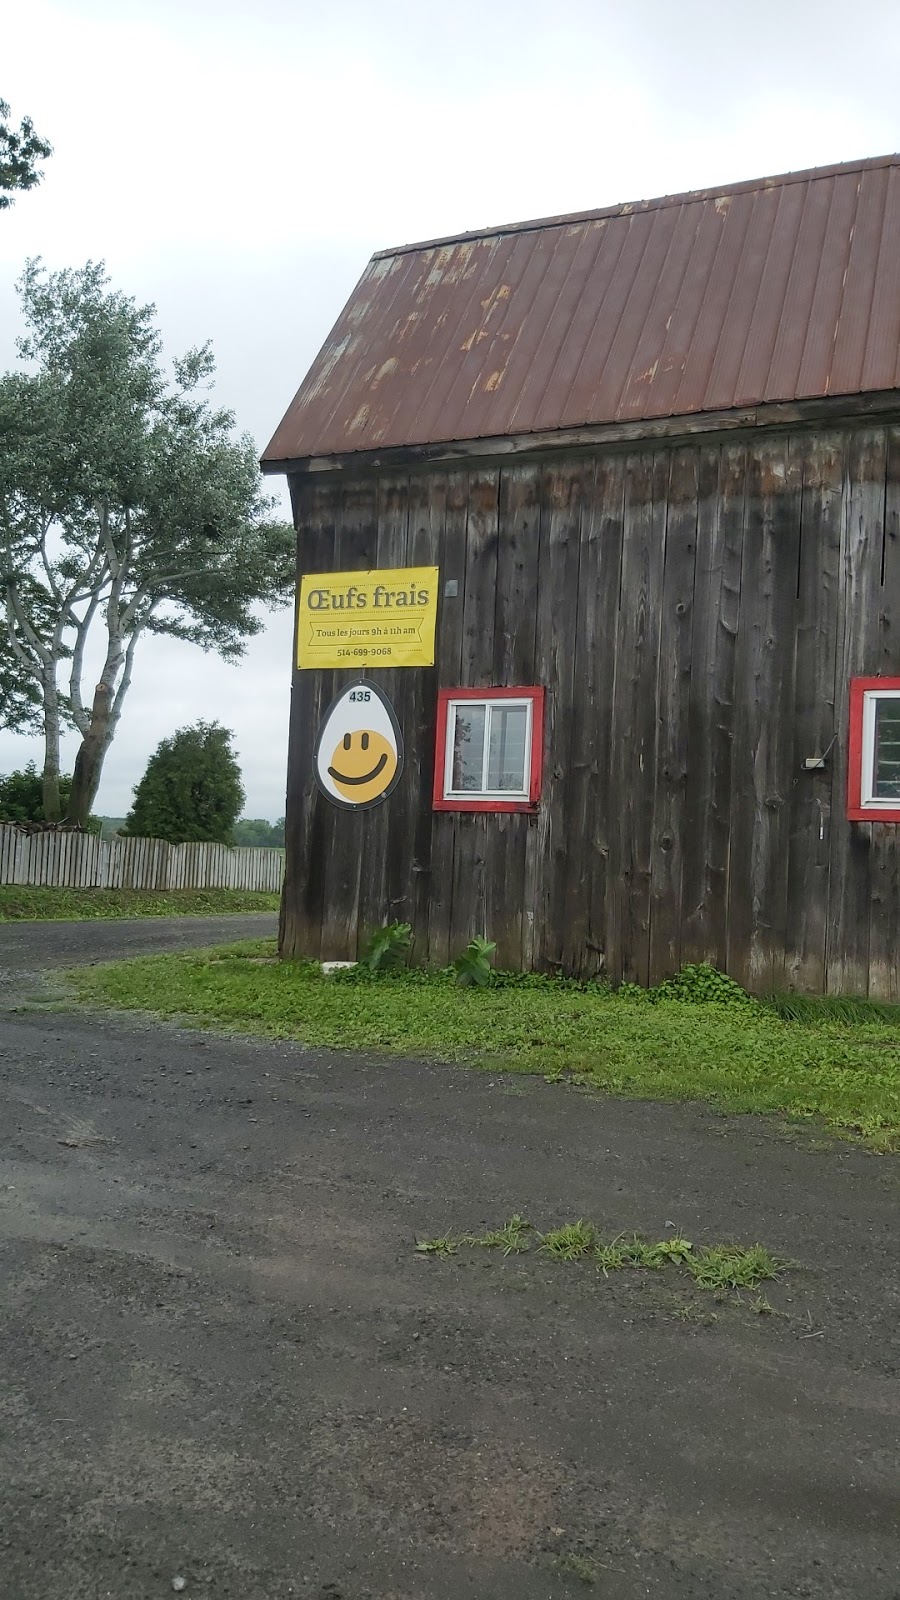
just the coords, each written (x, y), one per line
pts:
(780, 289)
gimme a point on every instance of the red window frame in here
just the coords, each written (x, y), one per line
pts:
(463, 803)
(857, 809)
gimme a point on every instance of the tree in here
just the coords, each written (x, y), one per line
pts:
(191, 790)
(20, 701)
(256, 831)
(127, 504)
(21, 797)
(20, 152)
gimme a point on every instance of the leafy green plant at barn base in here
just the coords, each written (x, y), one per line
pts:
(388, 948)
(473, 967)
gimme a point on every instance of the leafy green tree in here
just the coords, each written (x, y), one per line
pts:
(22, 798)
(256, 831)
(20, 151)
(20, 701)
(191, 790)
(127, 506)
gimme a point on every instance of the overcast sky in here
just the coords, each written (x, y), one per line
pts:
(238, 163)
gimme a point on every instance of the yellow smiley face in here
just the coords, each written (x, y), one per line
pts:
(362, 766)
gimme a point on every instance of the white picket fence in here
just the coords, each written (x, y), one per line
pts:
(84, 861)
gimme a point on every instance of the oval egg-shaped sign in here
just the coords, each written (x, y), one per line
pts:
(358, 757)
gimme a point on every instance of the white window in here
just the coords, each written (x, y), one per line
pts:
(488, 752)
(881, 749)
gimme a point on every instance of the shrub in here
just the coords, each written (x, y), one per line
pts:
(388, 948)
(474, 965)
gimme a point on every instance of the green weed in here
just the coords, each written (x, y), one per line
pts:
(668, 1250)
(572, 1242)
(726, 1266)
(473, 967)
(578, 1567)
(818, 1008)
(511, 1238)
(388, 948)
(444, 1245)
(612, 1257)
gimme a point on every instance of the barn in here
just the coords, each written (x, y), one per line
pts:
(598, 623)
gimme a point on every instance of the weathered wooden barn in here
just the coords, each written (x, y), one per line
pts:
(653, 453)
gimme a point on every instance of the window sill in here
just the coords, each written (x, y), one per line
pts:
(529, 806)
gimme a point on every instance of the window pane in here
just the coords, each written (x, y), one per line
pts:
(468, 747)
(506, 755)
(886, 784)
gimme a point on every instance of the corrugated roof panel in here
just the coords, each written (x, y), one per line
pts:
(859, 285)
(677, 335)
(557, 385)
(728, 360)
(783, 289)
(591, 370)
(790, 335)
(767, 314)
(619, 367)
(735, 214)
(882, 353)
(478, 389)
(821, 331)
(473, 325)
(532, 378)
(645, 344)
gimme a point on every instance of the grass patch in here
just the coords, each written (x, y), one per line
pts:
(717, 1267)
(24, 904)
(576, 1566)
(741, 1055)
(847, 1009)
(726, 1266)
(572, 1242)
(444, 1245)
(511, 1238)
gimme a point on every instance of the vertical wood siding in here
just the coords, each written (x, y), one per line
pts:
(695, 613)
(83, 861)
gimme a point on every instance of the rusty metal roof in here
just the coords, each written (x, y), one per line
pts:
(783, 289)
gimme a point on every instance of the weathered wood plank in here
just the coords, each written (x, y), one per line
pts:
(409, 834)
(449, 515)
(591, 801)
(813, 714)
(515, 617)
(627, 938)
(473, 830)
(343, 832)
(711, 712)
(374, 825)
(673, 706)
(563, 490)
(859, 651)
(757, 878)
(315, 512)
(884, 919)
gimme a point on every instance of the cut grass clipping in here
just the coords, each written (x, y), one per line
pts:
(24, 904)
(672, 1045)
(717, 1267)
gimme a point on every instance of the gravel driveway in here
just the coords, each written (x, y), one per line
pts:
(223, 1361)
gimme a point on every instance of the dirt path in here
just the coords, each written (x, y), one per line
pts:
(221, 1357)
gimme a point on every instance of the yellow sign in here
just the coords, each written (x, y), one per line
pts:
(384, 618)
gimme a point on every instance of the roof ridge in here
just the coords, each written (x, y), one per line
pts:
(629, 207)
